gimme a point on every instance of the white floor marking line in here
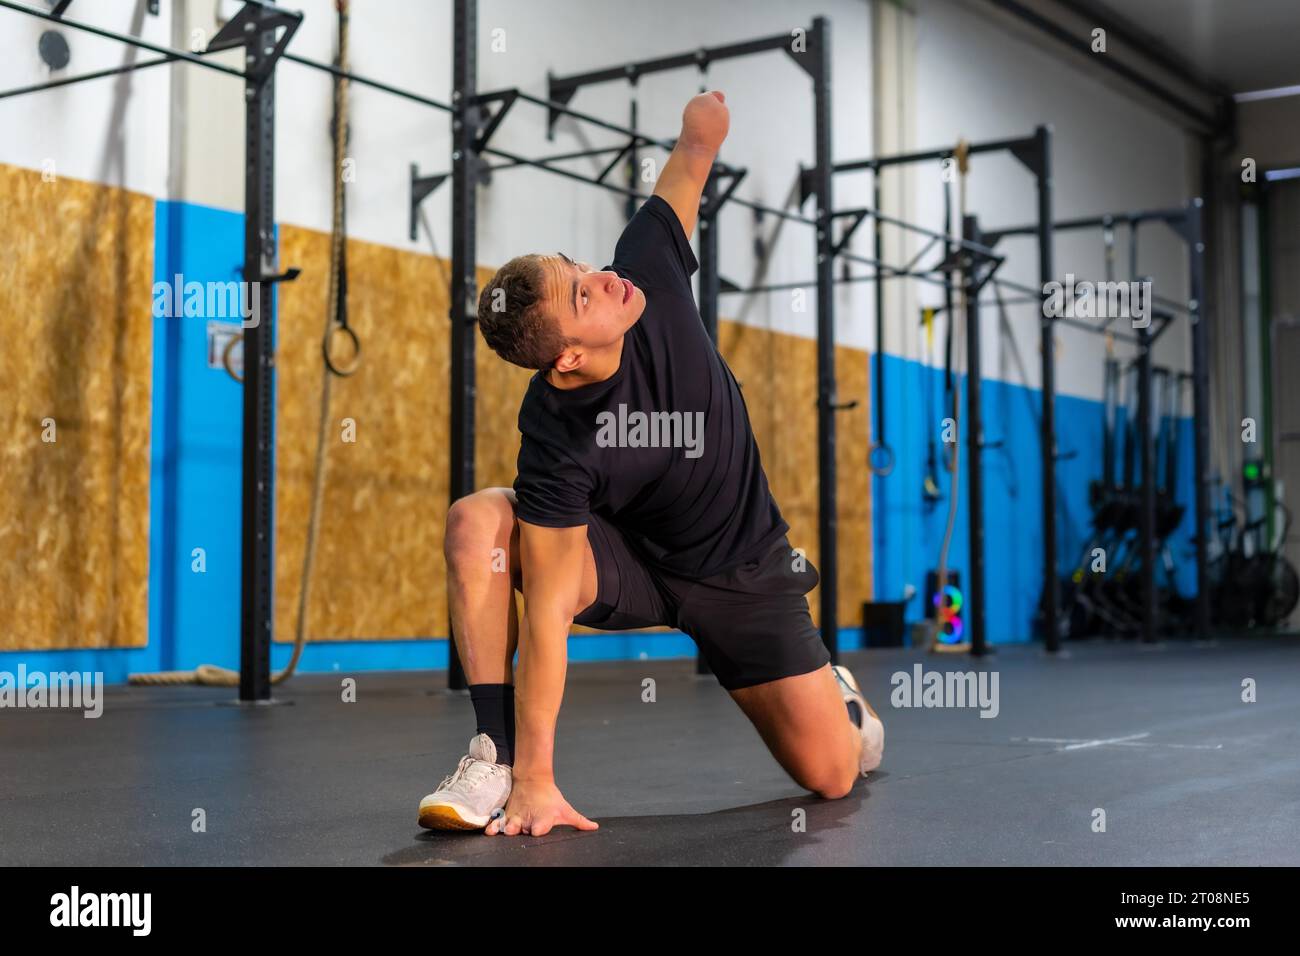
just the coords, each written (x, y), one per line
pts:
(1085, 744)
(1075, 740)
(1179, 746)
(1134, 740)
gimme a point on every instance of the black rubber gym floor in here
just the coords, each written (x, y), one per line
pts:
(1160, 739)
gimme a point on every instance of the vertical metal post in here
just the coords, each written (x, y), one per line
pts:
(1047, 425)
(1200, 415)
(1147, 509)
(1133, 229)
(633, 160)
(710, 286)
(709, 281)
(257, 509)
(878, 290)
(974, 450)
(464, 285)
(827, 523)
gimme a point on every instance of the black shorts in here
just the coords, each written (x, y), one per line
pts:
(751, 623)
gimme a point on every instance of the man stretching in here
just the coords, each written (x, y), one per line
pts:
(640, 501)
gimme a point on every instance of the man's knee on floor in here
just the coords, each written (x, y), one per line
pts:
(832, 781)
(476, 524)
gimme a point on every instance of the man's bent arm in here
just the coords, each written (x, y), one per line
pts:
(705, 122)
(551, 560)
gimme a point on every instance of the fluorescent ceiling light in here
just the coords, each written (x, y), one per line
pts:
(1276, 93)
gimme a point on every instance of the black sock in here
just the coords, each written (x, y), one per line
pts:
(494, 709)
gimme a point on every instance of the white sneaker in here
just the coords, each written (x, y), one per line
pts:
(873, 731)
(466, 799)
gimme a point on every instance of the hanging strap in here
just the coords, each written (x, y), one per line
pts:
(337, 326)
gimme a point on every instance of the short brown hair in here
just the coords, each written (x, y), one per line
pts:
(512, 319)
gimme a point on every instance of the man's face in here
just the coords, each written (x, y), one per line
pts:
(593, 308)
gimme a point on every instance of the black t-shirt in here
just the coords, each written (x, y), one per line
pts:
(662, 449)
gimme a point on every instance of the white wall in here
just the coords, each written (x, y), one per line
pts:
(111, 130)
(979, 80)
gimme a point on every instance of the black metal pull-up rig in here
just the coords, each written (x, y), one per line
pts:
(1187, 225)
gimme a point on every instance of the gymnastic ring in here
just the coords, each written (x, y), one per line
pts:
(356, 350)
(227, 352)
(880, 459)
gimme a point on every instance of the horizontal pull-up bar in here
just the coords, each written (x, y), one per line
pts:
(366, 81)
(563, 87)
(1017, 287)
(772, 211)
(883, 271)
(995, 301)
(96, 75)
(556, 157)
(978, 247)
(791, 286)
(1033, 295)
(514, 93)
(1083, 326)
(931, 155)
(517, 160)
(895, 273)
(1171, 216)
(121, 38)
(1169, 304)
(843, 280)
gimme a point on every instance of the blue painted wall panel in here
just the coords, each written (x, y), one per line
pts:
(908, 531)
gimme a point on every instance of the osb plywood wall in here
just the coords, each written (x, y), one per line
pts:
(76, 366)
(379, 569)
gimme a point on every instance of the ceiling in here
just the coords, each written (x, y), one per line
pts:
(1243, 44)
